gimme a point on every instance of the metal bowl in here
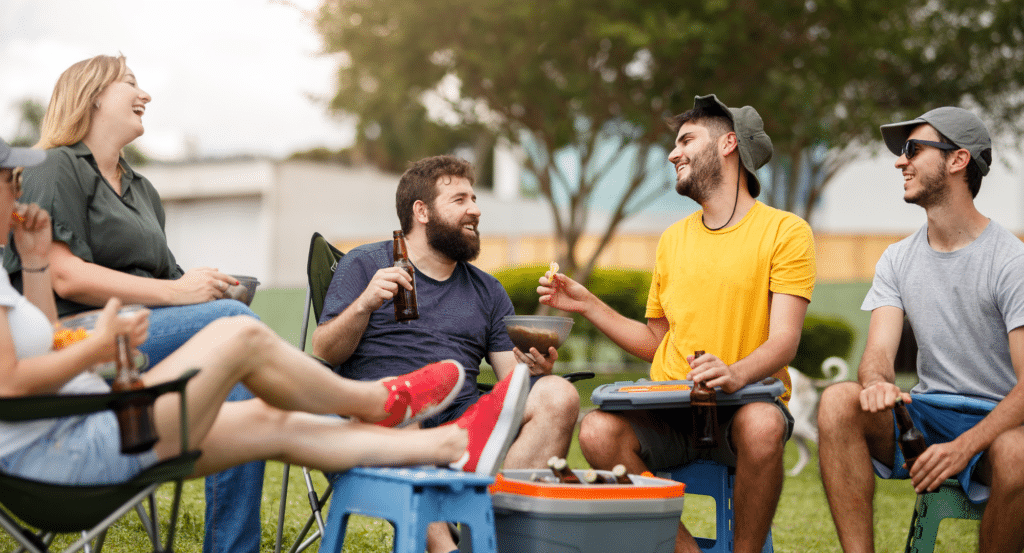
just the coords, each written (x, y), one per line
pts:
(245, 290)
(537, 331)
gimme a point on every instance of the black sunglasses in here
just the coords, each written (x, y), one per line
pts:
(912, 146)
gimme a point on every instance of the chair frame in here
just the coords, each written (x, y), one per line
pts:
(93, 527)
(316, 501)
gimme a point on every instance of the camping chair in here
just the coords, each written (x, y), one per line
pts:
(323, 260)
(55, 508)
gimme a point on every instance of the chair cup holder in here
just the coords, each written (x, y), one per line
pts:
(135, 420)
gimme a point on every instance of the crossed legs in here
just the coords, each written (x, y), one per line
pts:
(282, 423)
(758, 432)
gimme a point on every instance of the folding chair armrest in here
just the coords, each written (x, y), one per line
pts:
(578, 375)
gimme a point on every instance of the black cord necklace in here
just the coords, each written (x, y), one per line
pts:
(731, 215)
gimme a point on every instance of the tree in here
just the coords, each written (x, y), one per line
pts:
(30, 120)
(584, 86)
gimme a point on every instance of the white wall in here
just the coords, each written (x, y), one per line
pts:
(867, 197)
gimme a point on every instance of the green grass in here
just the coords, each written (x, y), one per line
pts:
(802, 523)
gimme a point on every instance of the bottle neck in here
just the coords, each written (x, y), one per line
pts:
(903, 420)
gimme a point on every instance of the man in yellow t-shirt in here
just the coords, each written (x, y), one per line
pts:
(734, 280)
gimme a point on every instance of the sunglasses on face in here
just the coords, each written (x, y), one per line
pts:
(912, 146)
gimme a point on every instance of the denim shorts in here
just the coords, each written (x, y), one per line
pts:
(941, 418)
(81, 450)
(664, 436)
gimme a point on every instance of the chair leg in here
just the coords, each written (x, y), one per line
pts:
(282, 508)
(931, 509)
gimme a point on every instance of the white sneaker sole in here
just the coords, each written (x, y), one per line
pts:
(509, 420)
(431, 411)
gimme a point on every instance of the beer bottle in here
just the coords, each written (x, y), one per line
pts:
(134, 414)
(562, 471)
(621, 477)
(704, 409)
(591, 476)
(911, 439)
(405, 299)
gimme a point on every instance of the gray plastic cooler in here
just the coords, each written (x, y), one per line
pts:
(539, 517)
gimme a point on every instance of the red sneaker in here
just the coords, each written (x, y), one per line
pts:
(493, 423)
(423, 393)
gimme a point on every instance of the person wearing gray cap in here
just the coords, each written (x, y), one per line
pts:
(958, 282)
(27, 224)
(733, 280)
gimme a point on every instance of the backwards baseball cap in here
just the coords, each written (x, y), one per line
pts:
(754, 145)
(960, 126)
(19, 157)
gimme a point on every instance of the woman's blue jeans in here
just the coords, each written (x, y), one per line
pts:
(232, 496)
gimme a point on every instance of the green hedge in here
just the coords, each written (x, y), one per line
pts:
(821, 338)
(622, 289)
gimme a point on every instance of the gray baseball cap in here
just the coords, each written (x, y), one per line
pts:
(960, 126)
(19, 157)
(754, 144)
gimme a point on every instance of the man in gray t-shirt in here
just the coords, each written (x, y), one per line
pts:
(959, 280)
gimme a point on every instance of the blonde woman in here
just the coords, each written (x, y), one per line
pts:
(109, 241)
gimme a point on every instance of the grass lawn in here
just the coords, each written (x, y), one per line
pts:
(802, 522)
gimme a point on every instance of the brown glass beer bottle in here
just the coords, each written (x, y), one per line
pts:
(621, 476)
(592, 476)
(704, 408)
(134, 415)
(911, 439)
(562, 471)
(405, 299)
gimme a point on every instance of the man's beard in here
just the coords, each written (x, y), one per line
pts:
(934, 189)
(705, 175)
(450, 240)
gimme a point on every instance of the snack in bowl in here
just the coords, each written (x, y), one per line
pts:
(537, 331)
(63, 337)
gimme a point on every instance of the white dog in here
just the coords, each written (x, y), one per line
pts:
(803, 404)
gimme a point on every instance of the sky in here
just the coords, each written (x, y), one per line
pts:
(227, 77)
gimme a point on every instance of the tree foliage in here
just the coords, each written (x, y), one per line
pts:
(591, 83)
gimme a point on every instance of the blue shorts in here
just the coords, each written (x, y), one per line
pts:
(941, 418)
(82, 450)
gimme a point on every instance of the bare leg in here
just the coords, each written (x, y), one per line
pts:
(1002, 528)
(551, 412)
(848, 438)
(607, 439)
(758, 432)
(250, 430)
(241, 349)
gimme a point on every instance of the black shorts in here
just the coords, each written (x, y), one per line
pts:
(664, 436)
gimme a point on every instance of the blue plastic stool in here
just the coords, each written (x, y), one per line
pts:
(412, 498)
(949, 501)
(717, 481)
